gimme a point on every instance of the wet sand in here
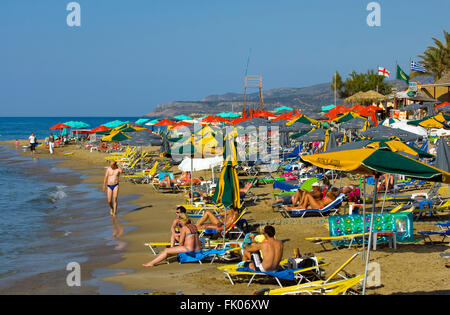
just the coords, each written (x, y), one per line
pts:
(411, 269)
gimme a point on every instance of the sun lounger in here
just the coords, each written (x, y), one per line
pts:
(444, 232)
(315, 284)
(336, 241)
(238, 228)
(331, 209)
(297, 274)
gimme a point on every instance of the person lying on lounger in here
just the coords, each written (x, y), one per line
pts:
(183, 178)
(244, 190)
(299, 197)
(217, 222)
(266, 255)
(311, 203)
(385, 180)
(167, 182)
(189, 241)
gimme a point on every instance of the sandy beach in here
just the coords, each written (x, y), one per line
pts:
(415, 268)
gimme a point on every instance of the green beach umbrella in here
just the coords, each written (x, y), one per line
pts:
(77, 124)
(141, 121)
(116, 137)
(228, 115)
(282, 108)
(115, 123)
(182, 117)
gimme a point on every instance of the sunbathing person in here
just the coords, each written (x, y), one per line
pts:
(166, 182)
(271, 252)
(189, 241)
(215, 222)
(311, 203)
(244, 190)
(385, 180)
(176, 226)
(301, 195)
(183, 178)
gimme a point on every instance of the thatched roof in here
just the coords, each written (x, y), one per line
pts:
(364, 97)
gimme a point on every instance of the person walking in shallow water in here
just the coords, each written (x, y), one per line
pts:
(111, 185)
(32, 139)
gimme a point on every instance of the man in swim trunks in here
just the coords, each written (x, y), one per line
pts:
(111, 185)
(176, 226)
(271, 251)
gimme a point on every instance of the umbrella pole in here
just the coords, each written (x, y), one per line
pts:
(385, 191)
(370, 233)
(364, 217)
(192, 177)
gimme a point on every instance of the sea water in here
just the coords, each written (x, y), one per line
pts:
(48, 219)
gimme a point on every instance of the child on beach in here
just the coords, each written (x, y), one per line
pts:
(111, 180)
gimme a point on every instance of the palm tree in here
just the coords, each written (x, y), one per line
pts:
(435, 59)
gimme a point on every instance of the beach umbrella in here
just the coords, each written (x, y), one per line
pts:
(165, 122)
(413, 129)
(144, 139)
(303, 119)
(313, 136)
(370, 161)
(436, 121)
(141, 121)
(265, 114)
(76, 124)
(152, 122)
(228, 115)
(355, 124)
(442, 155)
(213, 119)
(330, 141)
(385, 133)
(327, 108)
(300, 134)
(101, 128)
(59, 126)
(389, 121)
(444, 109)
(114, 123)
(116, 137)
(376, 161)
(282, 108)
(182, 117)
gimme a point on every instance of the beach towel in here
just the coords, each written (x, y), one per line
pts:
(285, 186)
(199, 255)
(286, 274)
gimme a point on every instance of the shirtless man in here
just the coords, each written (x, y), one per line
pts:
(111, 185)
(271, 250)
(215, 222)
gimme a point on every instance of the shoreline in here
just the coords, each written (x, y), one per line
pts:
(405, 271)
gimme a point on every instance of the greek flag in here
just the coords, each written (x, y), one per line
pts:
(417, 67)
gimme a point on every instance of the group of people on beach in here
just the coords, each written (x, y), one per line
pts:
(263, 254)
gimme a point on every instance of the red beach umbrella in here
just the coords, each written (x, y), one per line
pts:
(59, 126)
(100, 128)
(165, 122)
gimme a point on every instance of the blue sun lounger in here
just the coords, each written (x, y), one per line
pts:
(325, 210)
(444, 232)
(198, 256)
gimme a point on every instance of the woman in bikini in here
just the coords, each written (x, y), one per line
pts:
(111, 185)
(189, 241)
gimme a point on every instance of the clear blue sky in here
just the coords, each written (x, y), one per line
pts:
(128, 56)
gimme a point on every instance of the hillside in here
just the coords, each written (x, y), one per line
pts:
(309, 99)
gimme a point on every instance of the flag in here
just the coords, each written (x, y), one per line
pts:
(383, 72)
(401, 75)
(417, 67)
